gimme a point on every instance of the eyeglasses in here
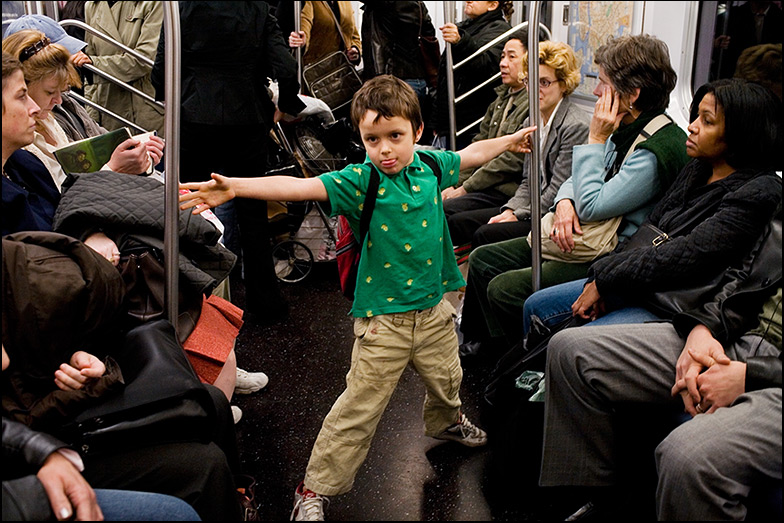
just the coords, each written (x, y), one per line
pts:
(544, 83)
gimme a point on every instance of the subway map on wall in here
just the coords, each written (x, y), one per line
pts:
(590, 25)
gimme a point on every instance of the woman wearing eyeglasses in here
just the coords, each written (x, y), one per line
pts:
(634, 84)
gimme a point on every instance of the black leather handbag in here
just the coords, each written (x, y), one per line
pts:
(505, 387)
(162, 401)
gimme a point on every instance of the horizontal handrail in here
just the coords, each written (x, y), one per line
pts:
(90, 29)
(97, 107)
(472, 91)
(501, 38)
(469, 126)
(146, 97)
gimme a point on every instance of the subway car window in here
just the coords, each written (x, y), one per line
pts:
(740, 39)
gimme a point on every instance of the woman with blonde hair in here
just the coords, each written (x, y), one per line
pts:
(611, 176)
(48, 71)
(564, 125)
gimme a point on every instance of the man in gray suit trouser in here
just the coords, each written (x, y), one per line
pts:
(730, 385)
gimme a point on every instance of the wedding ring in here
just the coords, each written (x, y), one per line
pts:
(699, 408)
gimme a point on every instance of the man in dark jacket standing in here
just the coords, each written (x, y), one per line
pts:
(484, 22)
(390, 43)
(229, 49)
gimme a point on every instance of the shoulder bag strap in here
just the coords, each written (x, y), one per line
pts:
(337, 25)
(433, 164)
(369, 205)
(649, 130)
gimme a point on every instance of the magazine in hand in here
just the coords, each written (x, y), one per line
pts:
(91, 154)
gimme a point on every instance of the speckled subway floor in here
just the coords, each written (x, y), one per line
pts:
(406, 476)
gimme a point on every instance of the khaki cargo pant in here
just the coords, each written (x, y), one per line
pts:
(383, 348)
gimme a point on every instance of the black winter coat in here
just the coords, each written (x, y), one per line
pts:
(390, 38)
(228, 51)
(733, 309)
(474, 33)
(743, 203)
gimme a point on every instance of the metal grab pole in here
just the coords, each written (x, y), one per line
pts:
(298, 28)
(171, 238)
(534, 174)
(449, 17)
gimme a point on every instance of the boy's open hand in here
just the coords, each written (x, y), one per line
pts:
(521, 140)
(206, 195)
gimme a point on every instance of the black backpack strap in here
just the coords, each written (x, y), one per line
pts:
(369, 205)
(433, 164)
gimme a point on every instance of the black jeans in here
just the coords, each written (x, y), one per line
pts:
(238, 151)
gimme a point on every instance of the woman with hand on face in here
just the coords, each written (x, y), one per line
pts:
(609, 178)
(714, 213)
(478, 213)
(49, 71)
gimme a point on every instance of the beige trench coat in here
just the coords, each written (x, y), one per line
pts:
(137, 25)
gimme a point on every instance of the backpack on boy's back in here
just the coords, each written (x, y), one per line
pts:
(348, 249)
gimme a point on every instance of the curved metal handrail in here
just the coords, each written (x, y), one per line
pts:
(103, 36)
(89, 67)
(85, 101)
(141, 94)
(451, 67)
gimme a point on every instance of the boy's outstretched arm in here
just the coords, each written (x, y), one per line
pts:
(221, 189)
(481, 152)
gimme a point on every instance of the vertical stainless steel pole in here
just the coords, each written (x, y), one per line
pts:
(171, 239)
(449, 17)
(297, 29)
(534, 175)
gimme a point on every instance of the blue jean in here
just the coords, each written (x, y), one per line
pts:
(129, 505)
(554, 304)
(420, 88)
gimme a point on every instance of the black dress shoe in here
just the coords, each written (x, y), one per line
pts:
(470, 349)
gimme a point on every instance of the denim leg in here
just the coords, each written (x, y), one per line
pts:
(228, 216)
(129, 505)
(552, 304)
(420, 88)
(625, 315)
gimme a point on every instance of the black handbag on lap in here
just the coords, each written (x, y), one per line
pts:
(162, 400)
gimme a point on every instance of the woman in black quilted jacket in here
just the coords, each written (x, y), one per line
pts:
(712, 216)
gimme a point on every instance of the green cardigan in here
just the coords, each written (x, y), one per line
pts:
(504, 172)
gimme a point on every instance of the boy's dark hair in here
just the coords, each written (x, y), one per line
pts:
(752, 122)
(389, 96)
(639, 61)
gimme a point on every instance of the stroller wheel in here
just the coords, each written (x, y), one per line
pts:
(293, 261)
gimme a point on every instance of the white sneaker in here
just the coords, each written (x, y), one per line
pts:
(464, 432)
(237, 413)
(308, 506)
(249, 382)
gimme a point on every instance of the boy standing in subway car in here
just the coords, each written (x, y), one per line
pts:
(407, 265)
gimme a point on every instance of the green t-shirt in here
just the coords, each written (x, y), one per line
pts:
(407, 260)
